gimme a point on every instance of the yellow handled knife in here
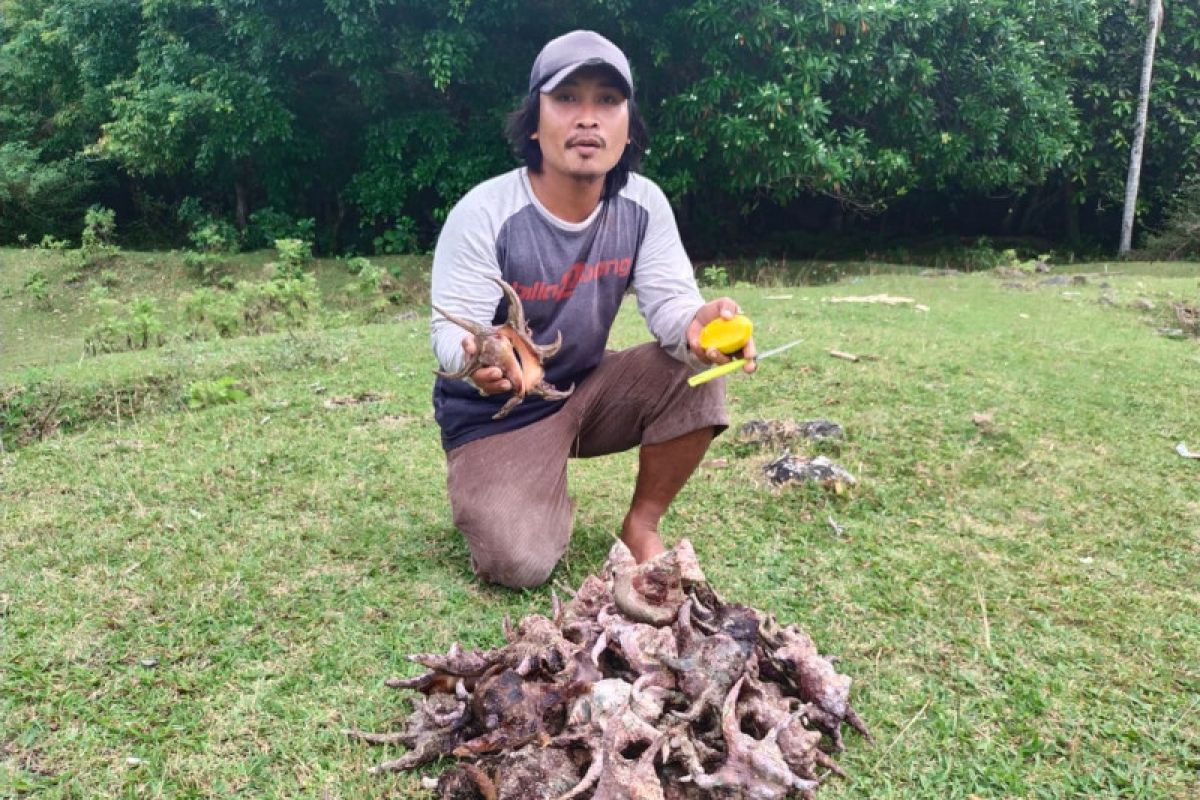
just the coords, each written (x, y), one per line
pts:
(735, 365)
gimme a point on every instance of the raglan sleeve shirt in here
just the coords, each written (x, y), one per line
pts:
(570, 278)
(464, 265)
(465, 262)
(663, 279)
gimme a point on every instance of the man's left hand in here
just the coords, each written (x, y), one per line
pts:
(726, 308)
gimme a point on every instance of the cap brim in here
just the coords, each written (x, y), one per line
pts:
(557, 78)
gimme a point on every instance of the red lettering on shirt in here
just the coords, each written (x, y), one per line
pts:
(576, 274)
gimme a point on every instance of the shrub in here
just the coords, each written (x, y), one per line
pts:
(1180, 234)
(205, 267)
(38, 288)
(144, 324)
(107, 335)
(715, 276)
(207, 233)
(294, 254)
(29, 411)
(212, 239)
(268, 224)
(282, 303)
(49, 243)
(982, 255)
(214, 236)
(211, 311)
(96, 241)
(372, 288)
(134, 327)
(400, 240)
(99, 226)
(222, 391)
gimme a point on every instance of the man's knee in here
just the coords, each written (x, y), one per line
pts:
(514, 570)
(516, 550)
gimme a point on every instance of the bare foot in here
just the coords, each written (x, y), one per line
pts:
(644, 544)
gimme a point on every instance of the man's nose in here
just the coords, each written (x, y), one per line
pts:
(587, 115)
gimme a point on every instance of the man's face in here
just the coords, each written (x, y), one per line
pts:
(583, 126)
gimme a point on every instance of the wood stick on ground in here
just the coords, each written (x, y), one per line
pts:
(987, 628)
(883, 756)
(884, 299)
(1182, 717)
(842, 355)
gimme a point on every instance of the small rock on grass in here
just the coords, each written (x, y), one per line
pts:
(781, 432)
(802, 469)
(352, 400)
(985, 421)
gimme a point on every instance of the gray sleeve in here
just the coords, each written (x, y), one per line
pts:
(464, 263)
(664, 282)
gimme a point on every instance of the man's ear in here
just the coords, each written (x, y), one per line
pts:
(533, 135)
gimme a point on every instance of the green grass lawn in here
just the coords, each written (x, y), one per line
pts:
(216, 593)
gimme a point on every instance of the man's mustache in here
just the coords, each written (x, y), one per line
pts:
(586, 139)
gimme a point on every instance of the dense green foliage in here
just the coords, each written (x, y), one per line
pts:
(360, 124)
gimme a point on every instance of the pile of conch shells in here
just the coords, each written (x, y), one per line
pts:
(646, 685)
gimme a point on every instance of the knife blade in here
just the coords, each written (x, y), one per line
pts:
(736, 364)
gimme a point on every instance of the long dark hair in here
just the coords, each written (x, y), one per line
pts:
(523, 123)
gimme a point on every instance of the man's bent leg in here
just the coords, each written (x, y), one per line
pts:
(509, 497)
(645, 400)
(663, 469)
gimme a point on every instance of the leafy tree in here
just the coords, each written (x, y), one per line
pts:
(372, 119)
(206, 97)
(863, 103)
(1153, 26)
(37, 196)
(56, 61)
(1106, 95)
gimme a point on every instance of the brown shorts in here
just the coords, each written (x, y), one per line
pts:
(508, 492)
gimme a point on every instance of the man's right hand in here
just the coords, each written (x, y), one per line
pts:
(489, 380)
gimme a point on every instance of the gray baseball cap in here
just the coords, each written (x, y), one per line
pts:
(562, 56)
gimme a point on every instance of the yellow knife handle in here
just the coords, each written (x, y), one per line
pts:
(716, 372)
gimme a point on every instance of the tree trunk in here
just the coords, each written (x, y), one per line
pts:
(837, 218)
(1070, 212)
(239, 189)
(1010, 217)
(336, 228)
(1139, 131)
(1032, 211)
